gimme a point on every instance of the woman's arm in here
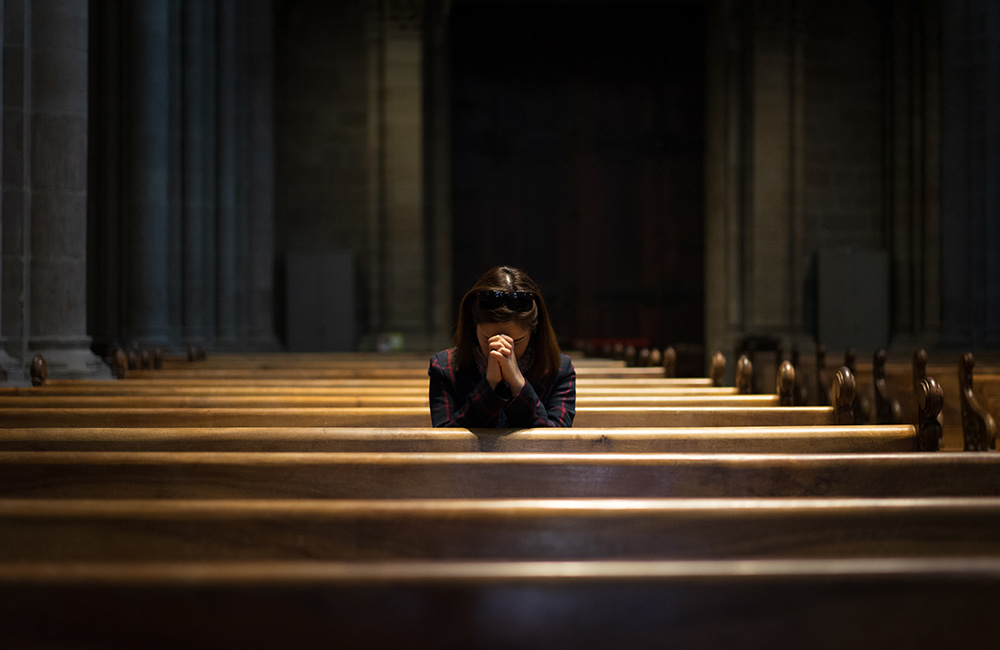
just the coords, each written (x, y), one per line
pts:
(479, 408)
(528, 410)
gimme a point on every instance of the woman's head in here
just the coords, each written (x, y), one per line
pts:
(505, 298)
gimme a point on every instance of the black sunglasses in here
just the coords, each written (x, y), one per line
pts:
(519, 301)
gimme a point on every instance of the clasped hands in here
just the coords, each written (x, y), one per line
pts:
(501, 364)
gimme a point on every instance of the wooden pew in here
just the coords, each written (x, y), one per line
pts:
(153, 387)
(280, 475)
(122, 530)
(330, 401)
(746, 440)
(829, 602)
(394, 417)
(374, 372)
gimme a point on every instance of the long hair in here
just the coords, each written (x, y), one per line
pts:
(547, 356)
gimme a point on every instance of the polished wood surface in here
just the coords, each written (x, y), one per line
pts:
(381, 417)
(735, 603)
(285, 475)
(40, 530)
(818, 439)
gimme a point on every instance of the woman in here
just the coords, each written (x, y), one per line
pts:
(506, 369)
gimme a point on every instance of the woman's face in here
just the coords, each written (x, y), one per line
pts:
(486, 331)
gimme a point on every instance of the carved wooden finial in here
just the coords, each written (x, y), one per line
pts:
(158, 359)
(618, 351)
(978, 426)
(120, 364)
(718, 368)
(643, 359)
(885, 408)
(631, 356)
(670, 362)
(744, 375)
(930, 399)
(919, 368)
(786, 384)
(145, 360)
(39, 370)
(862, 407)
(843, 395)
(656, 358)
(822, 384)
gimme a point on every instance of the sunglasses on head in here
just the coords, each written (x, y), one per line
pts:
(519, 301)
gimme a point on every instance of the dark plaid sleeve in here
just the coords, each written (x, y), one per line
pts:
(556, 408)
(477, 407)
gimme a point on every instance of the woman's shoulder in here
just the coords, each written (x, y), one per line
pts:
(443, 359)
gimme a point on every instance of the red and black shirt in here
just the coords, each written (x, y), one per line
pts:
(461, 397)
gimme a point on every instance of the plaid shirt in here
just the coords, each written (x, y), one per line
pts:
(463, 398)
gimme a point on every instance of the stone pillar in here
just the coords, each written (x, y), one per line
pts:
(260, 202)
(912, 183)
(230, 225)
(56, 50)
(397, 260)
(195, 211)
(13, 215)
(970, 168)
(146, 211)
(754, 206)
(441, 312)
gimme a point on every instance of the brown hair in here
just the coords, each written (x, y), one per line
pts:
(548, 357)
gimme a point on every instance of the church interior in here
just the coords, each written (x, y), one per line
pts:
(234, 232)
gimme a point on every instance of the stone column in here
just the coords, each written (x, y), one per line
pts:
(228, 225)
(57, 52)
(195, 211)
(13, 215)
(260, 202)
(754, 207)
(398, 250)
(146, 210)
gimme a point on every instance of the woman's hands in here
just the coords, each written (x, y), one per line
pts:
(502, 364)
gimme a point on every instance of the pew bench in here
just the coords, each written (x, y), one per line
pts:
(361, 372)
(343, 475)
(818, 439)
(331, 401)
(854, 602)
(383, 417)
(114, 530)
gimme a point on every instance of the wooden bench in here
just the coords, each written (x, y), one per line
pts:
(281, 475)
(383, 417)
(270, 401)
(829, 602)
(140, 387)
(818, 439)
(374, 372)
(120, 530)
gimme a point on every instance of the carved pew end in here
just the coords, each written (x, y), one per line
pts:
(786, 384)
(744, 375)
(843, 395)
(717, 369)
(39, 370)
(669, 362)
(978, 427)
(930, 399)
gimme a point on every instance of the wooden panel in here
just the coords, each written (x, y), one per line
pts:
(635, 604)
(207, 475)
(39, 530)
(843, 439)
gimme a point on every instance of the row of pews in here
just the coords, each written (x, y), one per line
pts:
(304, 501)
